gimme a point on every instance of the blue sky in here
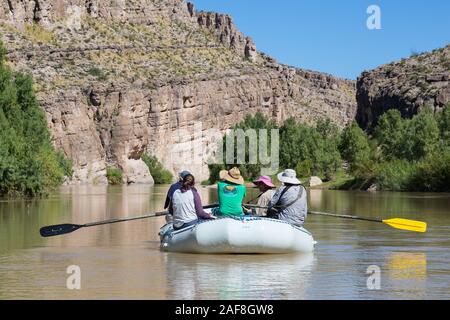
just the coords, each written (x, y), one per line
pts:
(331, 36)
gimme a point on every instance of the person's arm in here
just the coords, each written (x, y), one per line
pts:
(244, 209)
(169, 196)
(274, 199)
(263, 201)
(167, 202)
(199, 207)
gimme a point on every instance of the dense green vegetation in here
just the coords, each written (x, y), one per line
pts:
(29, 165)
(403, 154)
(410, 154)
(114, 175)
(159, 174)
(309, 150)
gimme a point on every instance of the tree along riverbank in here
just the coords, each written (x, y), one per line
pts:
(29, 165)
(401, 155)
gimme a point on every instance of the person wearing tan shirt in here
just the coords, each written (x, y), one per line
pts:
(267, 189)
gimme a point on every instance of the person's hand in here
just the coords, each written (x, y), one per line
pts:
(212, 217)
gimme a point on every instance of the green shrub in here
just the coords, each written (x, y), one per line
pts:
(389, 134)
(214, 170)
(396, 175)
(98, 73)
(114, 175)
(354, 145)
(29, 165)
(404, 154)
(65, 163)
(421, 137)
(411, 139)
(248, 170)
(433, 173)
(159, 174)
(443, 119)
(429, 174)
(317, 145)
(303, 168)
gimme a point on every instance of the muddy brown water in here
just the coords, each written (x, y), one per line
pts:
(123, 261)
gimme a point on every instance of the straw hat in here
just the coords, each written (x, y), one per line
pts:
(288, 176)
(233, 175)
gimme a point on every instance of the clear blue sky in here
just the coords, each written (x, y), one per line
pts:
(331, 36)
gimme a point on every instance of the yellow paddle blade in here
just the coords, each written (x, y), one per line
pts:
(405, 224)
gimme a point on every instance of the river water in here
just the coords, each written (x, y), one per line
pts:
(123, 261)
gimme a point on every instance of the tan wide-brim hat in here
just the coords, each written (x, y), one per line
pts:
(233, 175)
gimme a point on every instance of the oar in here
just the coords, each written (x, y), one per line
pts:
(59, 229)
(398, 223)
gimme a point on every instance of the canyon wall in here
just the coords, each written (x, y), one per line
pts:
(407, 85)
(119, 79)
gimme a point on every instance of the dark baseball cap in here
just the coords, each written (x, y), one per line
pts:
(184, 173)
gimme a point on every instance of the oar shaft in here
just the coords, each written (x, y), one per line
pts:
(156, 214)
(326, 214)
(343, 216)
(110, 221)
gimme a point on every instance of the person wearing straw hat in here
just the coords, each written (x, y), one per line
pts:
(231, 192)
(289, 202)
(267, 189)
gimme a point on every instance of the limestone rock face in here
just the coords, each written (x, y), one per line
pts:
(407, 85)
(222, 26)
(250, 50)
(118, 79)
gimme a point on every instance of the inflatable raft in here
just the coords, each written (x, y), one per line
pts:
(237, 235)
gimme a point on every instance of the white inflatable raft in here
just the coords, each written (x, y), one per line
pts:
(237, 235)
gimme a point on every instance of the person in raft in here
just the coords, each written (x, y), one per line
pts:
(231, 193)
(187, 205)
(289, 202)
(267, 189)
(174, 187)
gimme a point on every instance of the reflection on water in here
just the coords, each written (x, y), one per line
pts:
(123, 260)
(238, 276)
(407, 266)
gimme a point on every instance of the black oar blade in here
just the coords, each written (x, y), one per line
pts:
(58, 229)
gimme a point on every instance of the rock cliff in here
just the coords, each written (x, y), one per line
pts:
(121, 78)
(407, 85)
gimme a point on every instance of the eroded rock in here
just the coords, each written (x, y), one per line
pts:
(118, 79)
(408, 85)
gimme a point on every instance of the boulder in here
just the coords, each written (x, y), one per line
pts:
(315, 181)
(136, 172)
